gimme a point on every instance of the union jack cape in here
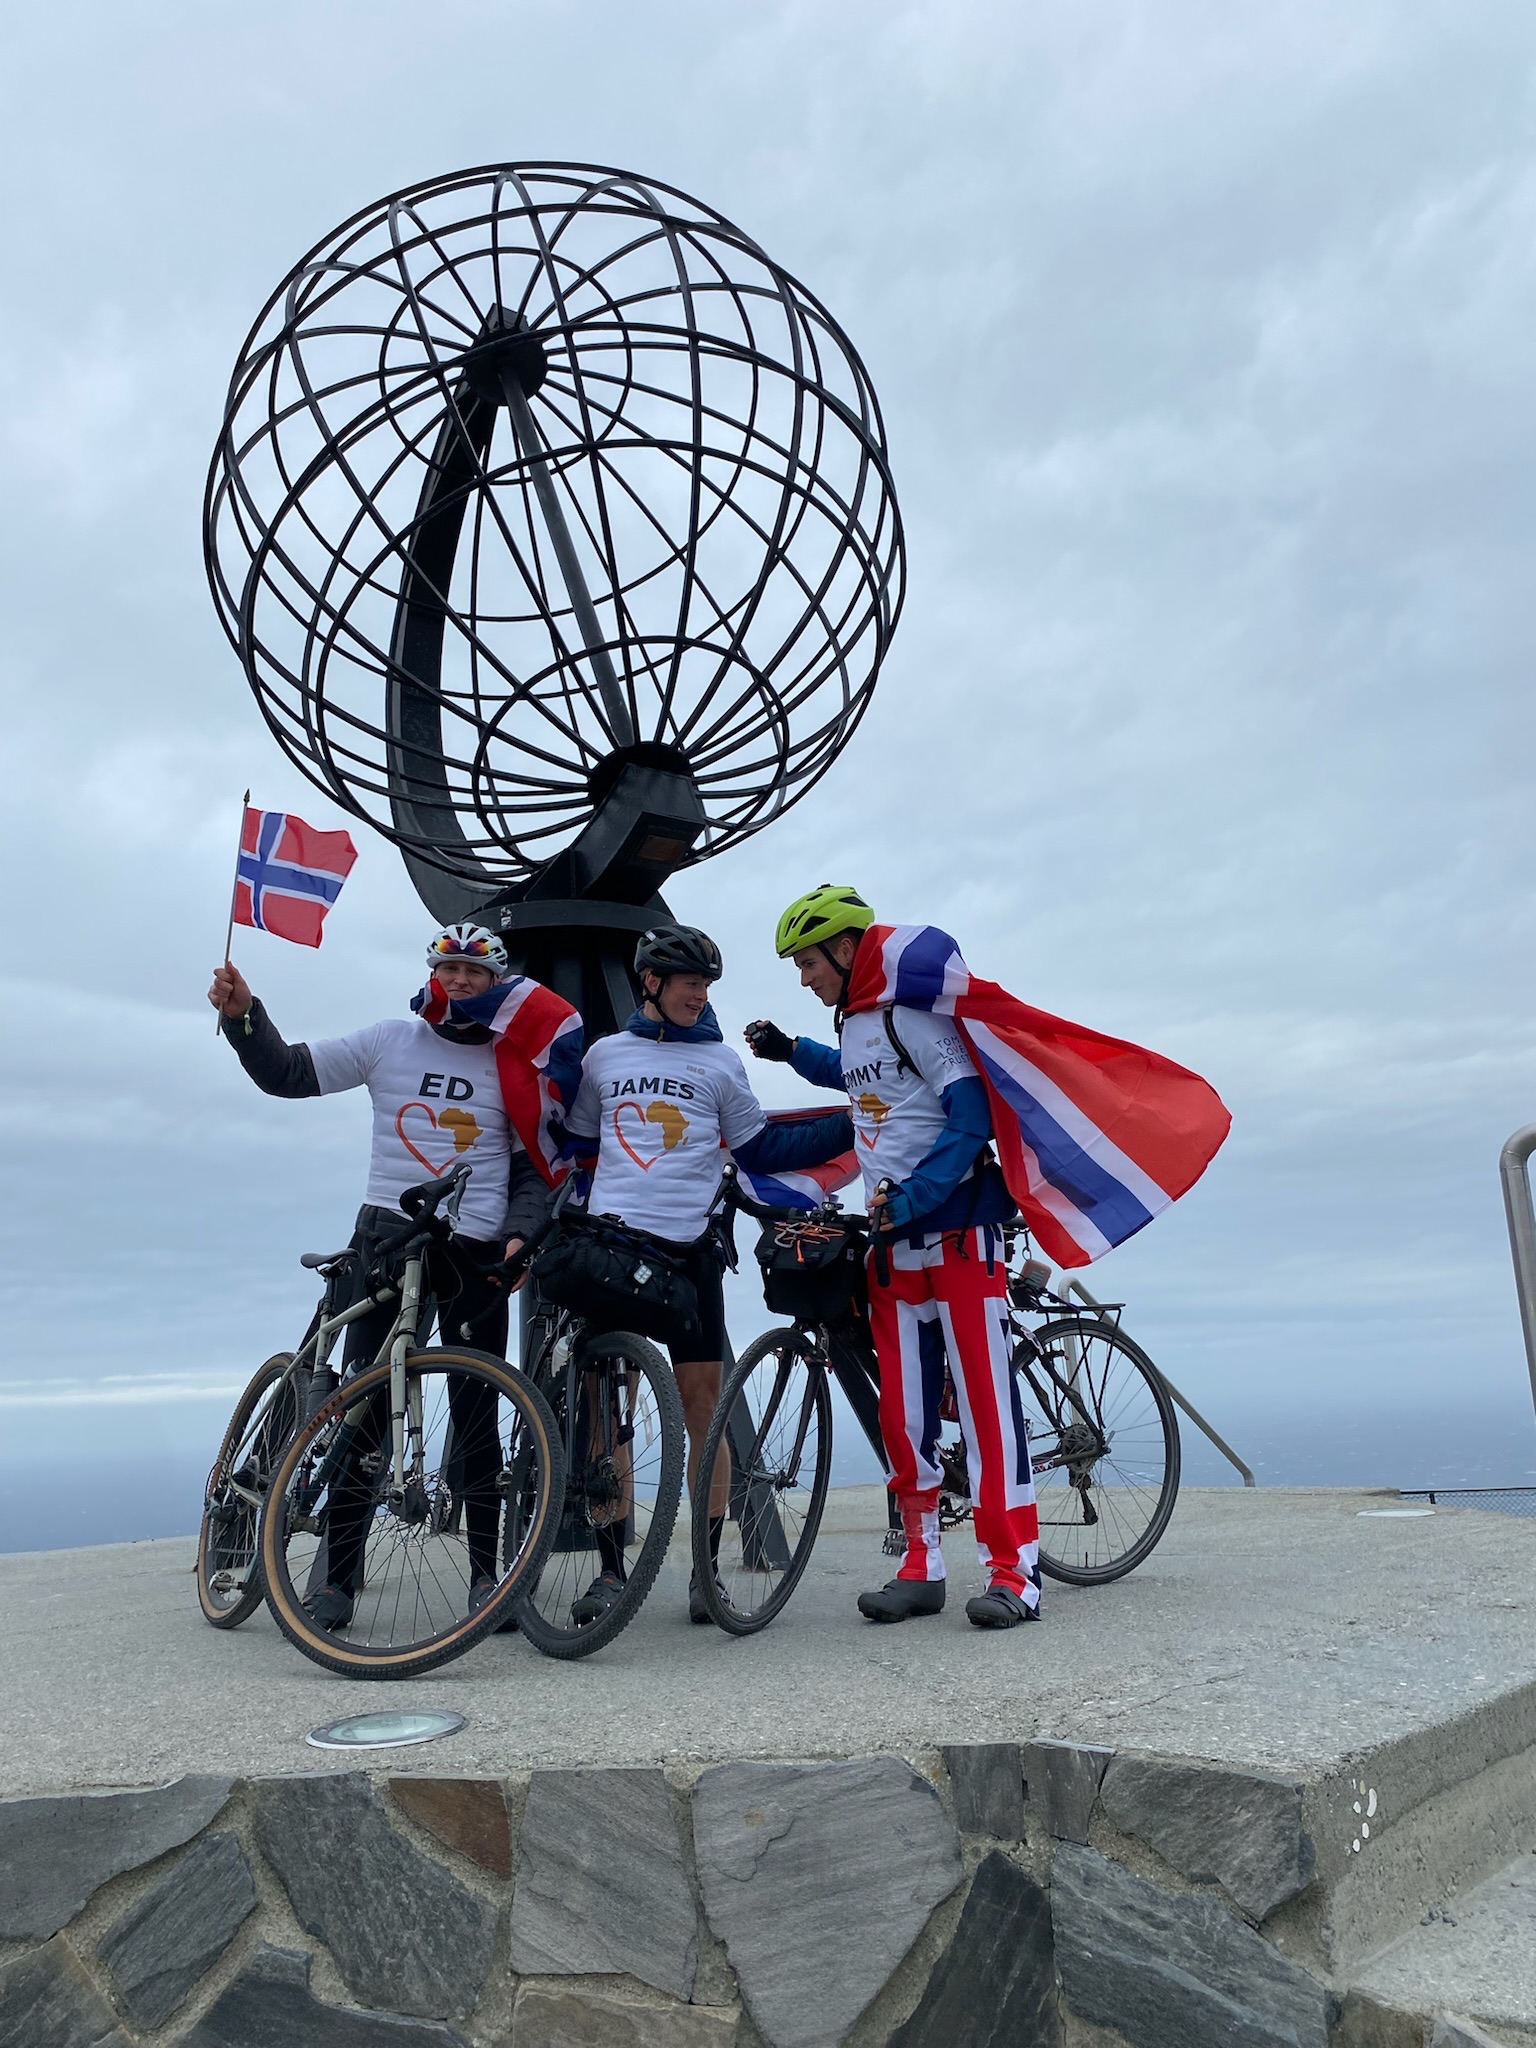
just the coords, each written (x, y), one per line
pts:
(1095, 1136)
(538, 1042)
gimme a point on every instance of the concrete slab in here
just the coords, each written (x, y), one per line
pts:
(1286, 1629)
(1476, 1957)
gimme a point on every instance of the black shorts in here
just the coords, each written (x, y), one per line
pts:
(706, 1339)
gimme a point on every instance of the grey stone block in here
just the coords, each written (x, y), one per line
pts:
(1364, 2022)
(601, 1882)
(988, 1782)
(1174, 1972)
(1239, 1829)
(270, 2005)
(1454, 2032)
(47, 2001)
(406, 1935)
(1063, 1780)
(995, 1985)
(551, 2016)
(166, 1942)
(54, 1853)
(818, 1878)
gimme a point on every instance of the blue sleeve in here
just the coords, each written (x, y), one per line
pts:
(801, 1141)
(967, 1127)
(821, 1065)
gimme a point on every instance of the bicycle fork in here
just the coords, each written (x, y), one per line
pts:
(405, 1403)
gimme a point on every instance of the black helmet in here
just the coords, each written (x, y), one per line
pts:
(678, 949)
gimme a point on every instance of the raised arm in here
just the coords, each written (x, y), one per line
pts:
(276, 1067)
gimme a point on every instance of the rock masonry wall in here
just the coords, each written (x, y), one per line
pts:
(988, 1896)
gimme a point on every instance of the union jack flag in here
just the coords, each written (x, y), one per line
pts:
(1095, 1136)
(538, 1039)
(289, 874)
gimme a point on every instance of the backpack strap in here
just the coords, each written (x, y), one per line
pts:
(905, 1064)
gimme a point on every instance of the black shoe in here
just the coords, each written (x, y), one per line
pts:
(600, 1596)
(484, 1590)
(697, 1611)
(903, 1600)
(330, 1608)
(999, 1607)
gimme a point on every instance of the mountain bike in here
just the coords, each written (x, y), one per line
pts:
(404, 1467)
(619, 1419)
(1104, 1439)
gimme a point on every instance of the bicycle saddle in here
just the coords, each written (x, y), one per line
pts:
(326, 1262)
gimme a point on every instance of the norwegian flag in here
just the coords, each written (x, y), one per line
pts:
(800, 1187)
(288, 875)
(538, 1041)
(1094, 1136)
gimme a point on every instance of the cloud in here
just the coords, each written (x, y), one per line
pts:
(1202, 344)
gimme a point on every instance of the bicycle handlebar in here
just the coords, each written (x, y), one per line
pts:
(767, 1212)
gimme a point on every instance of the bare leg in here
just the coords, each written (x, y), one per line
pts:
(698, 1382)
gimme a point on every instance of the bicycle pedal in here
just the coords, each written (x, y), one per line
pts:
(894, 1543)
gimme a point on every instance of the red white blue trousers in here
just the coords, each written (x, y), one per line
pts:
(945, 1303)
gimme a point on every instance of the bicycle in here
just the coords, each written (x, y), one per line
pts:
(1103, 1432)
(392, 1467)
(619, 1419)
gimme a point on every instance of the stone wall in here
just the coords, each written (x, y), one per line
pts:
(986, 1896)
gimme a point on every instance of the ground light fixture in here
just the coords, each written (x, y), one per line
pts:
(1393, 1514)
(384, 1731)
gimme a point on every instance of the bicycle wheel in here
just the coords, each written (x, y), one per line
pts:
(620, 1420)
(228, 1567)
(774, 1425)
(333, 1515)
(1106, 1463)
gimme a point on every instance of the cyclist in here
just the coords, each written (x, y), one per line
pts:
(938, 1289)
(657, 1101)
(438, 1097)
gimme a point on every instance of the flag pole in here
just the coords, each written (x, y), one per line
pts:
(234, 897)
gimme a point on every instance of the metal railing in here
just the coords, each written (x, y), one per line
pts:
(1515, 1172)
(1076, 1287)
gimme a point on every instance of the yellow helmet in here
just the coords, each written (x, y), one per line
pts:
(824, 913)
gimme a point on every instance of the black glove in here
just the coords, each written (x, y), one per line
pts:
(768, 1041)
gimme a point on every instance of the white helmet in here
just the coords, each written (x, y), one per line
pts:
(472, 944)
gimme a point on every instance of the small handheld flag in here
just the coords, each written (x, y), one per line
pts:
(288, 875)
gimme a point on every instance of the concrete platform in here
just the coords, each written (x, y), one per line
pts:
(1277, 1786)
(1289, 1630)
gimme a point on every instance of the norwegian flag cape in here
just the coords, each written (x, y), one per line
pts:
(538, 1044)
(1094, 1136)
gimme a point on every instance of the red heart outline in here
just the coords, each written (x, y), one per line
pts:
(644, 1165)
(436, 1172)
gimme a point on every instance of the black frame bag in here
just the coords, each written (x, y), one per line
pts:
(617, 1278)
(813, 1272)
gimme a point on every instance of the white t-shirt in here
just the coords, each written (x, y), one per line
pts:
(659, 1111)
(898, 1118)
(434, 1103)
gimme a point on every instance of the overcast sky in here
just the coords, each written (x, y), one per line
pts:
(1203, 336)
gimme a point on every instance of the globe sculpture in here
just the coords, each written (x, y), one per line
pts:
(553, 525)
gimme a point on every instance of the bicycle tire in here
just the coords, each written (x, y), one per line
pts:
(1132, 1488)
(544, 1608)
(743, 1567)
(228, 1536)
(443, 1630)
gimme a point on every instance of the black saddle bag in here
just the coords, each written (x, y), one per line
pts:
(813, 1271)
(617, 1278)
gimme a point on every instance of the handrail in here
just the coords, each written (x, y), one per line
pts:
(1515, 1172)
(1076, 1287)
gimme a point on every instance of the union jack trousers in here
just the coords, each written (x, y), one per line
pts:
(947, 1300)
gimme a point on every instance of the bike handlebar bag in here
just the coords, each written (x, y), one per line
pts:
(813, 1272)
(617, 1278)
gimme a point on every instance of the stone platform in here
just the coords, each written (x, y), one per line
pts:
(1278, 1787)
